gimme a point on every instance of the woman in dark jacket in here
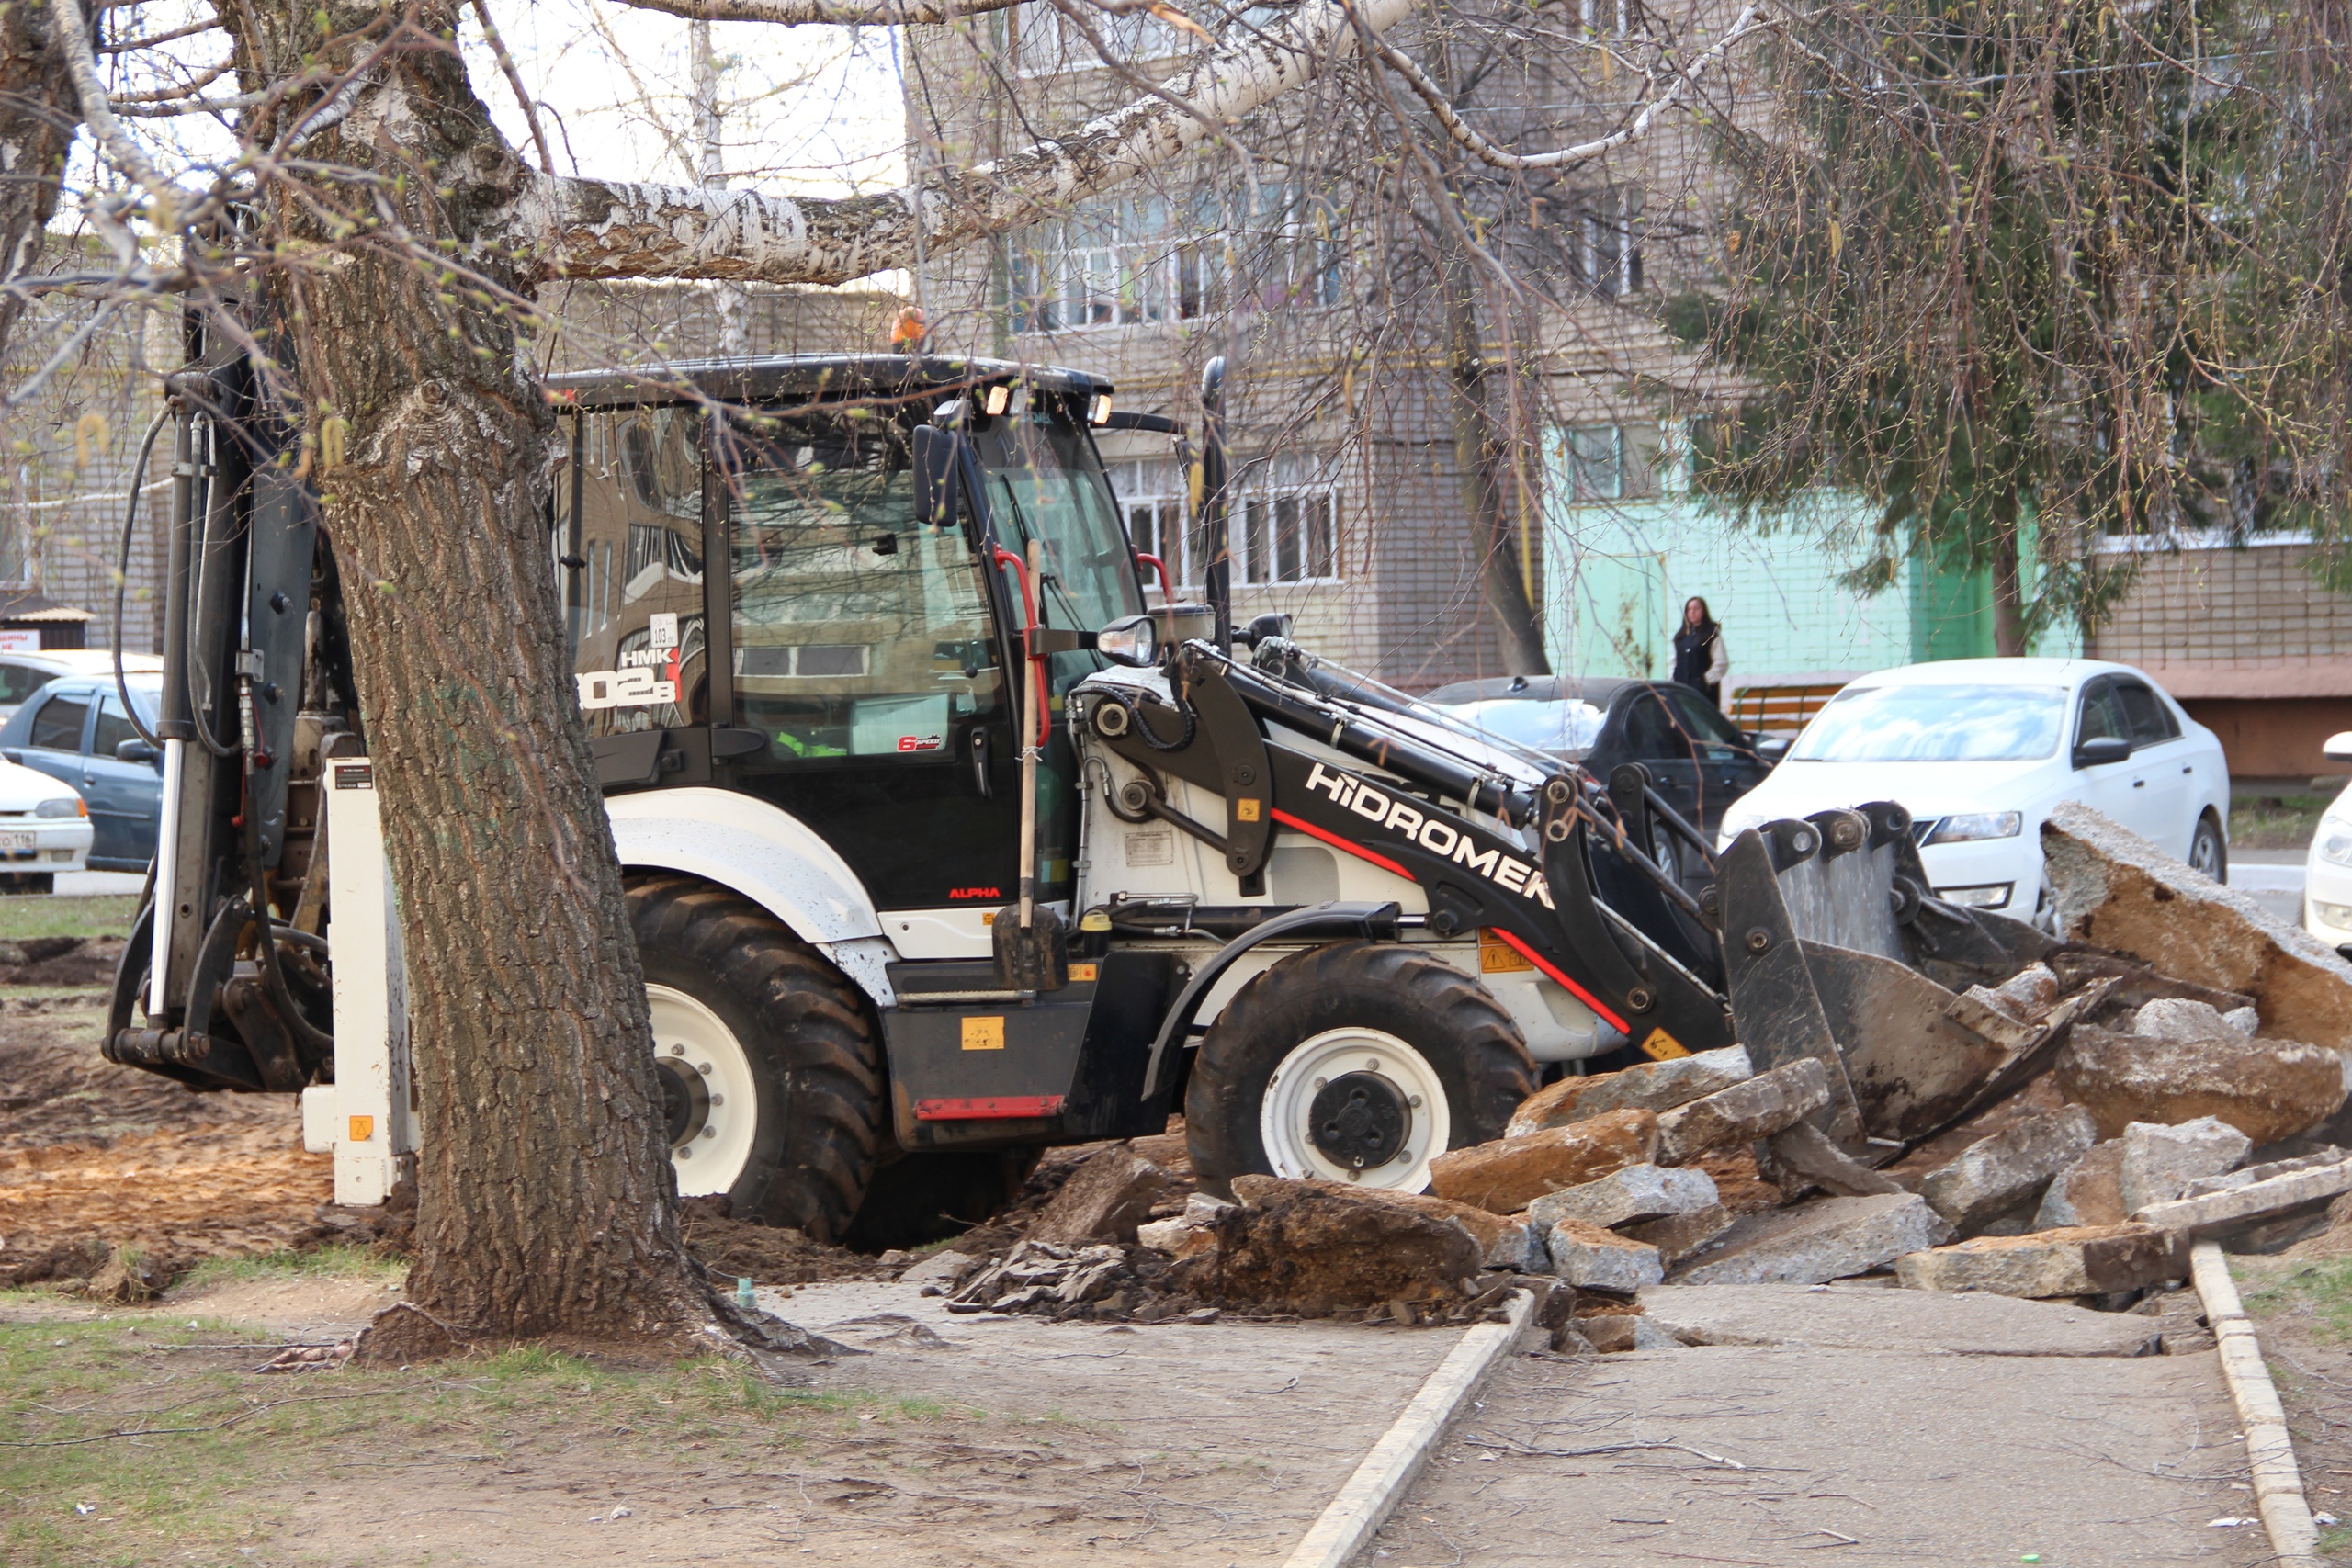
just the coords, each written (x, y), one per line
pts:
(1700, 660)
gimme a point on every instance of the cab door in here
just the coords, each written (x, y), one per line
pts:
(54, 741)
(867, 660)
(2161, 775)
(2116, 790)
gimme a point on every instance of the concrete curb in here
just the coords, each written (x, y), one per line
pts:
(1364, 1502)
(2270, 1452)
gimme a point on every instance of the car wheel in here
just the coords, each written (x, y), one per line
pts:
(2209, 855)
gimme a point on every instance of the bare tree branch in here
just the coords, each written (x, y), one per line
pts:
(71, 39)
(1752, 21)
(613, 228)
(800, 12)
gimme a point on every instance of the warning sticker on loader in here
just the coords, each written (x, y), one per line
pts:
(984, 1035)
(1663, 1047)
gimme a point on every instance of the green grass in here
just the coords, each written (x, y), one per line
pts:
(2323, 1288)
(213, 1438)
(106, 914)
(2335, 1539)
(336, 1261)
(2275, 822)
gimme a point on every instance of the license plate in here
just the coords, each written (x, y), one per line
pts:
(15, 840)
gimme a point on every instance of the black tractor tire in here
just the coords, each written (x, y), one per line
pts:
(1466, 1036)
(815, 1051)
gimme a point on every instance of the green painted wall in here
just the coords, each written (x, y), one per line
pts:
(1617, 573)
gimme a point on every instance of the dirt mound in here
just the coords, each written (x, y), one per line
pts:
(733, 1249)
(60, 961)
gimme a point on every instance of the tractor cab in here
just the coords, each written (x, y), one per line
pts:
(849, 660)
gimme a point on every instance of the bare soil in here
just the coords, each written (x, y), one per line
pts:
(95, 1157)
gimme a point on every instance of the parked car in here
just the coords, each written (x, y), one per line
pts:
(1981, 750)
(75, 730)
(43, 824)
(1699, 762)
(2327, 867)
(22, 674)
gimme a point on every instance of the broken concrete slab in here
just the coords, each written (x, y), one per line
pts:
(2039, 1097)
(1765, 1104)
(1111, 1192)
(1626, 1197)
(2000, 1173)
(2031, 991)
(2159, 1162)
(945, 1269)
(1871, 1318)
(1502, 1239)
(1178, 1237)
(1506, 1174)
(2245, 1175)
(2115, 890)
(2268, 1089)
(1678, 1235)
(2183, 1018)
(1805, 1151)
(2217, 1212)
(2080, 1261)
(1829, 1238)
(1318, 1248)
(1593, 1258)
(1646, 1086)
(2087, 1192)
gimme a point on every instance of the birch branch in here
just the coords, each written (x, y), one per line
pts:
(1749, 21)
(73, 41)
(597, 228)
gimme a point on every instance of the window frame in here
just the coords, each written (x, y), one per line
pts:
(79, 698)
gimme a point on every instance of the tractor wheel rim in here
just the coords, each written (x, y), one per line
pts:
(1383, 1076)
(709, 1096)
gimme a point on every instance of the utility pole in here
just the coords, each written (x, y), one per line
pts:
(734, 305)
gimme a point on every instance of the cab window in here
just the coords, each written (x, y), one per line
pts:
(57, 727)
(1717, 740)
(114, 729)
(633, 587)
(859, 631)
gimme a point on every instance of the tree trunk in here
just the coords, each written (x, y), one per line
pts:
(37, 116)
(545, 1199)
(2008, 587)
(1480, 454)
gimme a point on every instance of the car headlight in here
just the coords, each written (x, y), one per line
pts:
(2335, 842)
(1972, 824)
(1991, 895)
(62, 808)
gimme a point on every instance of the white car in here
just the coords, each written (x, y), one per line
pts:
(2327, 869)
(1981, 750)
(44, 829)
(22, 674)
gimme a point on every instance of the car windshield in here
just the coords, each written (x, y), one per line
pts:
(1935, 724)
(1568, 726)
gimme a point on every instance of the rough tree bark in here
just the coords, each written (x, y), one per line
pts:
(546, 1200)
(37, 116)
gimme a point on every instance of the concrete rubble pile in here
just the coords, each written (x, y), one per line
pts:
(2173, 1066)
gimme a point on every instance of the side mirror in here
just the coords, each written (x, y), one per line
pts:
(2100, 750)
(1133, 641)
(136, 751)
(935, 470)
(2338, 748)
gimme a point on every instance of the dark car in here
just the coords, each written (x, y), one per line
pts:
(74, 729)
(1699, 762)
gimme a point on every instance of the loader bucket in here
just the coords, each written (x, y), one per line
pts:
(1833, 948)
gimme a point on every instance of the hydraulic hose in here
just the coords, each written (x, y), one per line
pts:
(122, 573)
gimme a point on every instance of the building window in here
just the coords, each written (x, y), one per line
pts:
(1281, 523)
(1612, 462)
(1612, 252)
(1120, 262)
(1046, 42)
